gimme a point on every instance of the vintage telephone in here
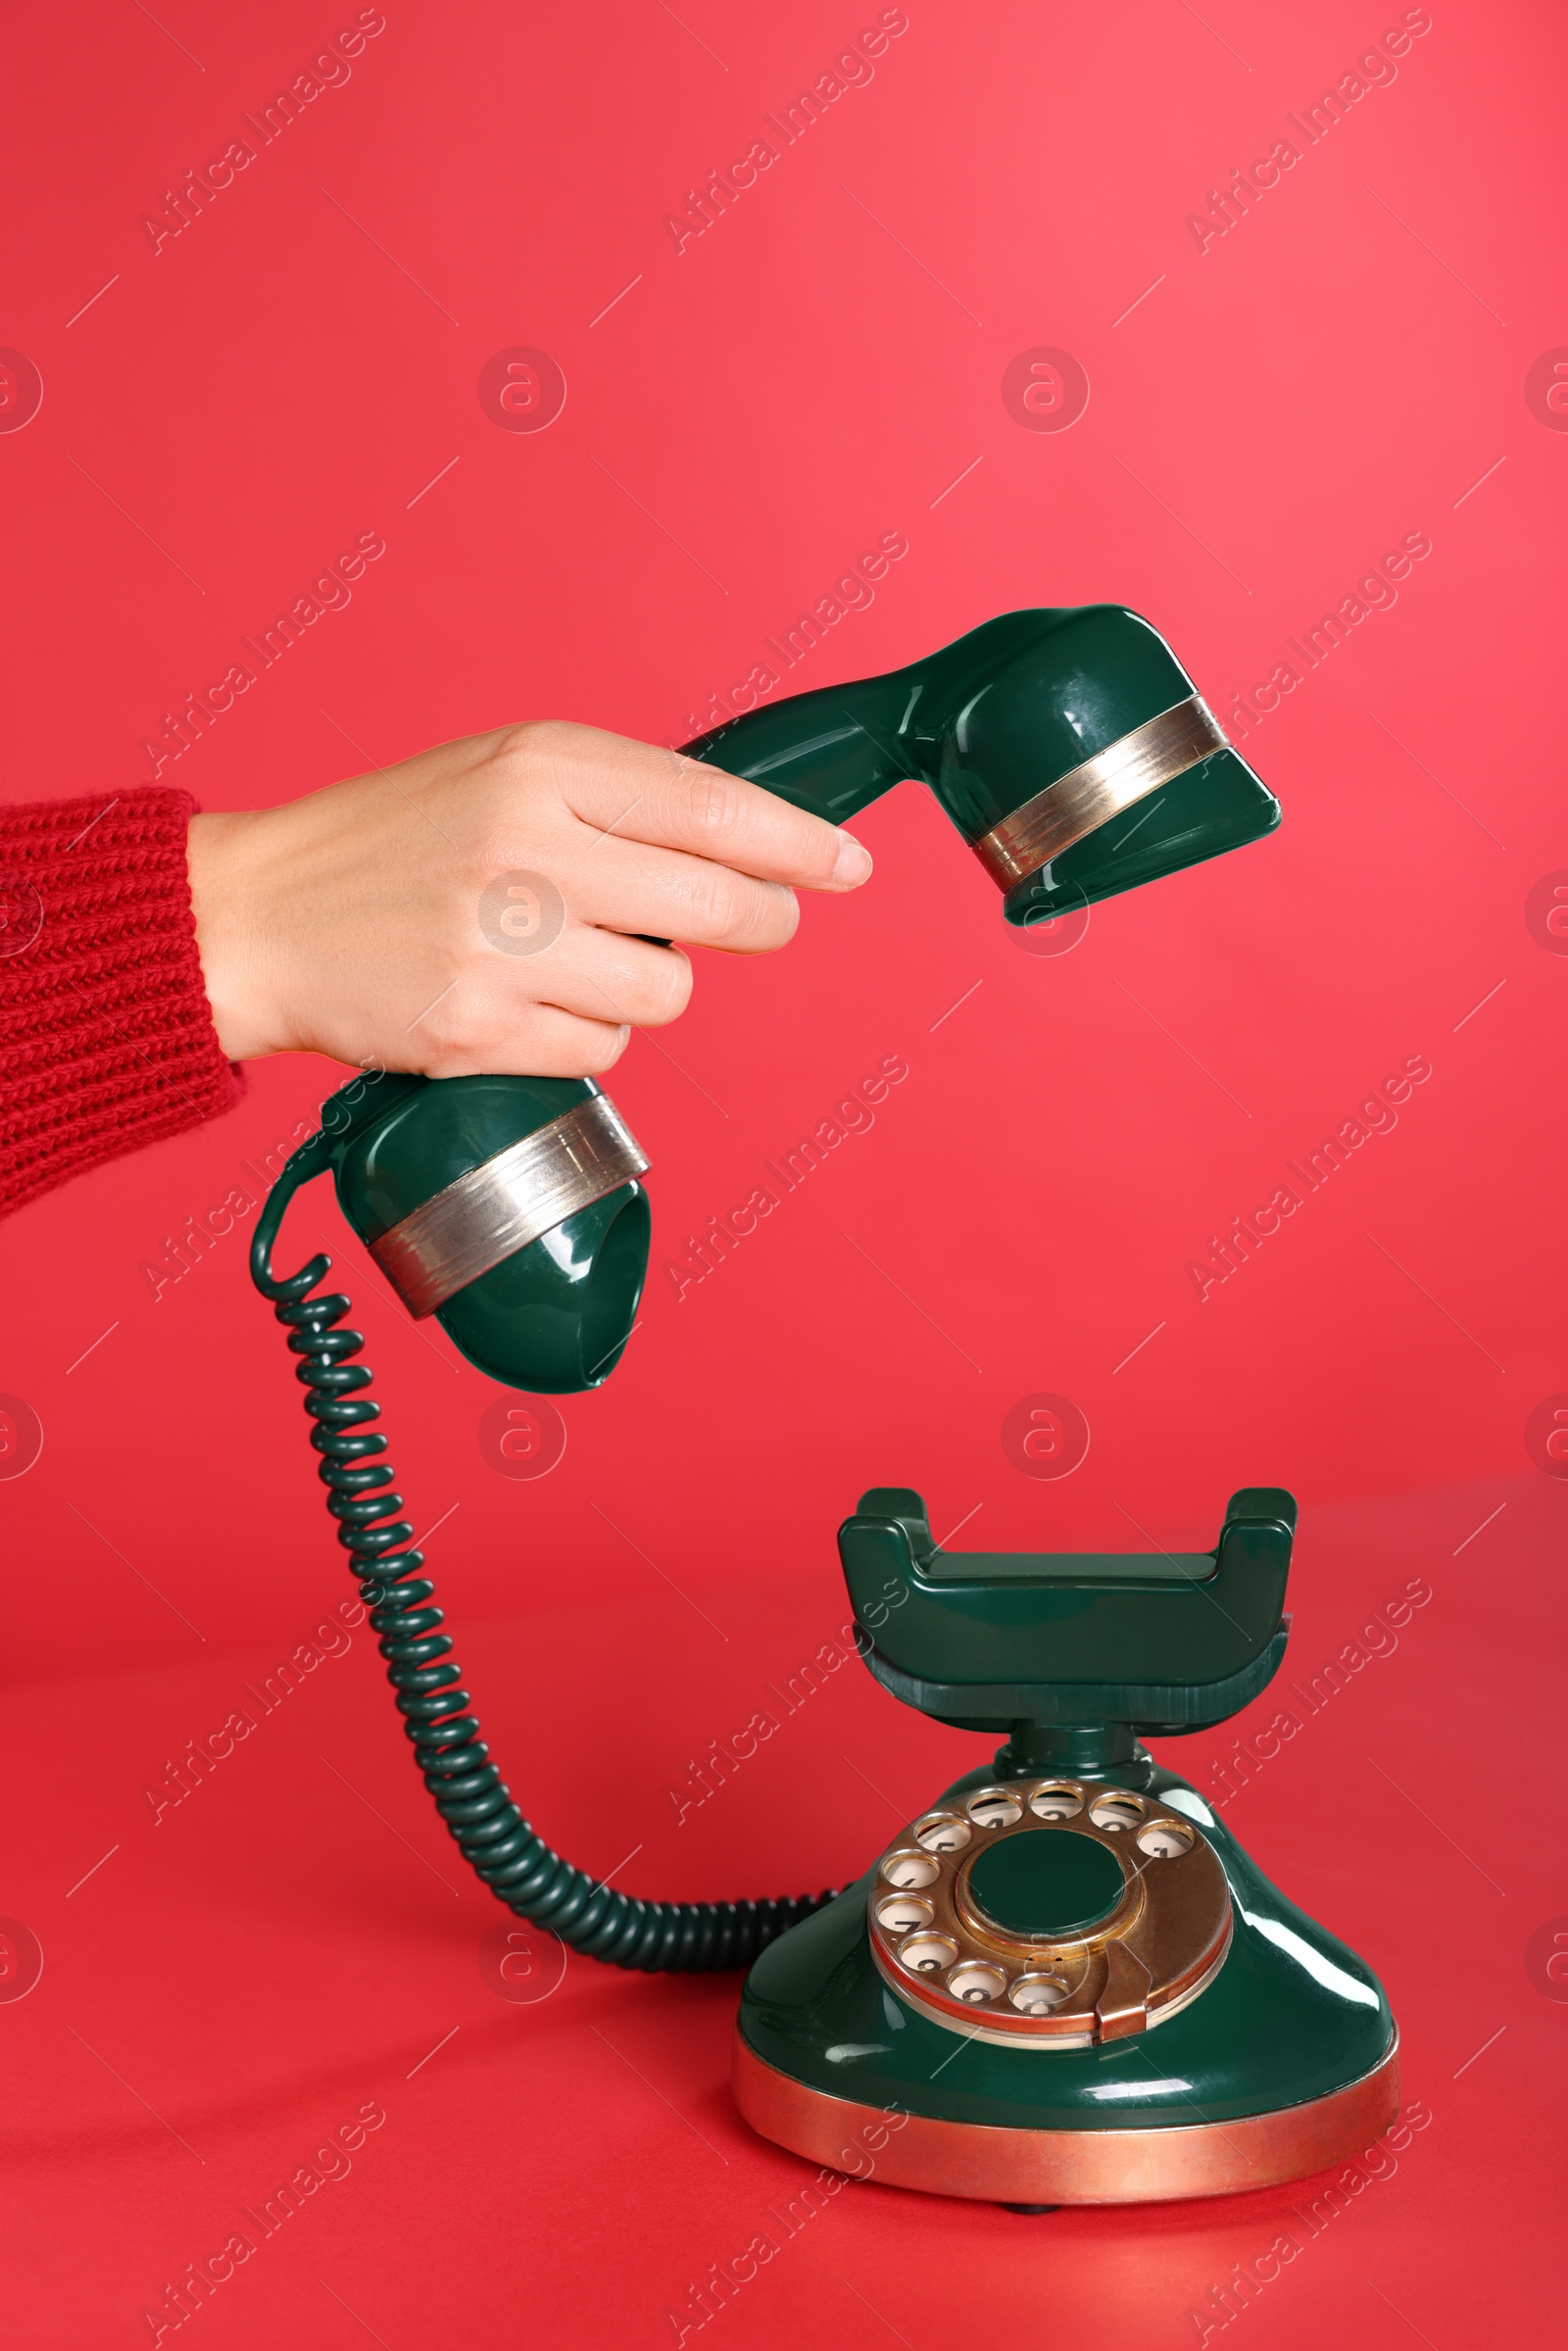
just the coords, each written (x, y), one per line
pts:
(982, 2001)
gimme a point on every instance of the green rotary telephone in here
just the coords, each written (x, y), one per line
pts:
(990, 1995)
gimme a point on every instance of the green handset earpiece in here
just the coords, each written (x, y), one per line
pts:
(1068, 746)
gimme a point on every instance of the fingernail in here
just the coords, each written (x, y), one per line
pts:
(854, 861)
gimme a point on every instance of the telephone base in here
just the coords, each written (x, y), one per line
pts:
(1283, 2061)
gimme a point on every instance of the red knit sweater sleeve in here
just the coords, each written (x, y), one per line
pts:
(106, 1038)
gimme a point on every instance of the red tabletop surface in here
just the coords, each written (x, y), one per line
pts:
(298, 1942)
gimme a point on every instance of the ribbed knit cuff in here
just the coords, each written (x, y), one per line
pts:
(107, 1041)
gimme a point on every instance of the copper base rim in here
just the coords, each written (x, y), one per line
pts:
(998, 2164)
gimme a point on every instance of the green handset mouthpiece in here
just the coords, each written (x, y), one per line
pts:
(1074, 756)
(508, 1207)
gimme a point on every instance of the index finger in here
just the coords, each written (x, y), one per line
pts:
(671, 801)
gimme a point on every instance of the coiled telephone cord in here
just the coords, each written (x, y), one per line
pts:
(470, 1793)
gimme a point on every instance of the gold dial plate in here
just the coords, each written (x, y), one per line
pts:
(1158, 1945)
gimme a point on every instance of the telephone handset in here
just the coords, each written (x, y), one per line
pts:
(1074, 756)
(1059, 1904)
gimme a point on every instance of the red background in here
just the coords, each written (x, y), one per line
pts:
(1266, 417)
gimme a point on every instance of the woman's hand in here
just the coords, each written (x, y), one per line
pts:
(496, 905)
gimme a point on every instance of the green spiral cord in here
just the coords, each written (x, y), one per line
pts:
(518, 1867)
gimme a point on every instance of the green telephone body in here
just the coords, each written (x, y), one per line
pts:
(1284, 2061)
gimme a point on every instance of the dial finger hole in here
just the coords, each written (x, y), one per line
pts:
(928, 1954)
(1038, 1995)
(901, 1914)
(910, 1870)
(1116, 1811)
(994, 1808)
(1058, 1800)
(975, 1983)
(1165, 1839)
(943, 1833)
